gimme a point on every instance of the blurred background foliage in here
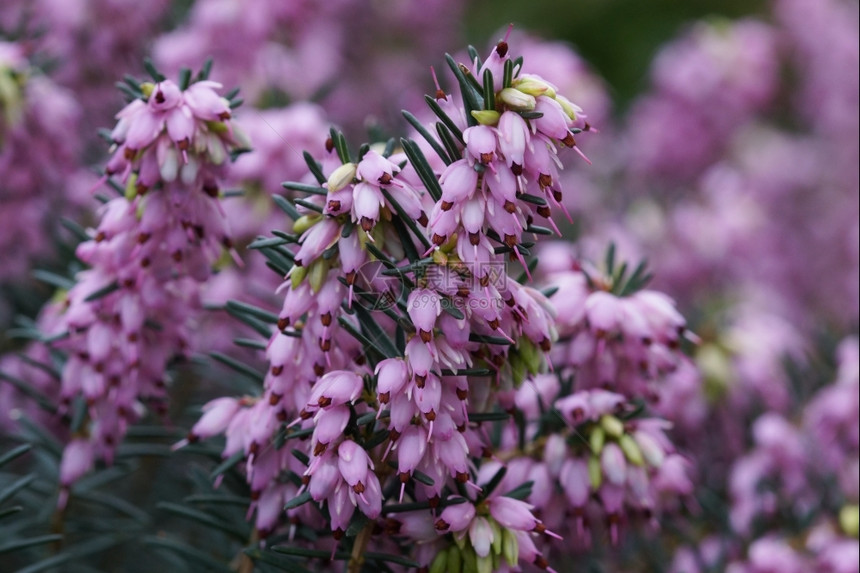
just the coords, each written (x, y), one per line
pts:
(618, 38)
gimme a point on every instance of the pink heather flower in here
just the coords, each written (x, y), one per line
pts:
(341, 508)
(330, 424)
(512, 513)
(708, 83)
(353, 463)
(39, 145)
(392, 376)
(146, 259)
(481, 536)
(424, 307)
(325, 476)
(455, 517)
(335, 388)
(217, 414)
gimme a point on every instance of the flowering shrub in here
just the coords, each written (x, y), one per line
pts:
(442, 350)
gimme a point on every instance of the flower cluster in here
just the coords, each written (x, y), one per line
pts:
(38, 153)
(91, 44)
(392, 339)
(307, 51)
(706, 85)
(127, 315)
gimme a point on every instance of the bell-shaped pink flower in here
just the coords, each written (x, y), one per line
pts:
(459, 181)
(424, 306)
(481, 536)
(353, 462)
(338, 387)
(217, 415)
(392, 374)
(512, 513)
(481, 143)
(455, 517)
(514, 136)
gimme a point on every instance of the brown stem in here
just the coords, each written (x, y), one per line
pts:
(245, 564)
(356, 560)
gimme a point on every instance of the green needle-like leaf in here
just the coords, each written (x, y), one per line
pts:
(280, 561)
(14, 453)
(210, 521)
(299, 500)
(419, 127)
(186, 551)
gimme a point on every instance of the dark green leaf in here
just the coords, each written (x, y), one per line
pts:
(522, 491)
(494, 482)
(469, 89)
(210, 521)
(205, 70)
(308, 205)
(467, 372)
(498, 340)
(488, 416)
(14, 453)
(409, 221)
(422, 168)
(218, 499)
(284, 563)
(421, 505)
(28, 390)
(509, 74)
(419, 127)
(184, 550)
(304, 188)
(252, 310)
(300, 499)
(75, 229)
(80, 550)
(286, 207)
(448, 141)
(225, 466)
(54, 279)
(250, 343)
(185, 79)
(240, 367)
(489, 90)
(444, 118)
(150, 69)
(263, 242)
(259, 326)
(102, 292)
(314, 168)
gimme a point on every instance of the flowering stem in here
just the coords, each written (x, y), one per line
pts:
(356, 559)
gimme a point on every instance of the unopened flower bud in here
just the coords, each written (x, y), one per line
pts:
(517, 100)
(533, 85)
(597, 439)
(570, 108)
(595, 473)
(631, 450)
(613, 426)
(849, 520)
(486, 116)
(341, 177)
(510, 548)
(304, 223)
